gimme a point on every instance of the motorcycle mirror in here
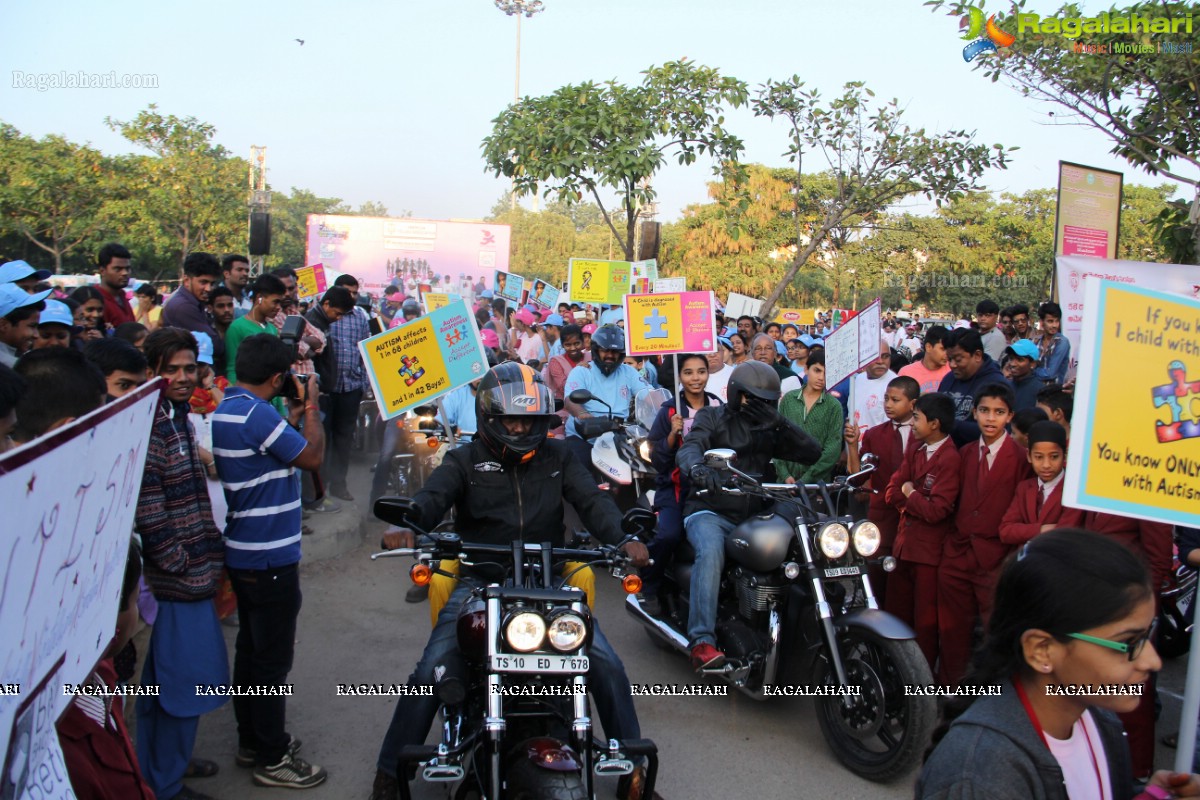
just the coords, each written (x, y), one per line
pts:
(580, 396)
(860, 478)
(719, 458)
(869, 459)
(395, 510)
(638, 521)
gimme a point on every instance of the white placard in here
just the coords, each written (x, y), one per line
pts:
(741, 305)
(870, 333)
(852, 346)
(670, 285)
(69, 500)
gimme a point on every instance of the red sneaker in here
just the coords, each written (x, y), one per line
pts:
(705, 656)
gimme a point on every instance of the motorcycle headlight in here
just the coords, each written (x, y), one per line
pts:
(525, 632)
(834, 540)
(867, 538)
(644, 450)
(567, 632)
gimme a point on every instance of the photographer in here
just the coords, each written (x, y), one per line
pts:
(256, 453)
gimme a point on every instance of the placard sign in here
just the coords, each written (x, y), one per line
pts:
(659, 324)
(853, 345)
(311, 281)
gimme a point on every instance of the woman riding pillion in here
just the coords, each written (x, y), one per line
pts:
(508, 484)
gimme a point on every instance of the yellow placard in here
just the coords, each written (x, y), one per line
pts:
(310, 281)
(598, 281)
(436, 300)
(796, 316)
(1135, 439)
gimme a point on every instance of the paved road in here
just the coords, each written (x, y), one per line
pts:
(356, 628)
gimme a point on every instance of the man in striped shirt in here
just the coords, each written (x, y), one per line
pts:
(256, 453)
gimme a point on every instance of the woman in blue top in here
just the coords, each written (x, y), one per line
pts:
(673, 422)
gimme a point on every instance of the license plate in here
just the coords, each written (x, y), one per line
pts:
(842, 572)
(540, 663)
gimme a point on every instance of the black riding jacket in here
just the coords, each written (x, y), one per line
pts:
(724, 427)
(498, 503)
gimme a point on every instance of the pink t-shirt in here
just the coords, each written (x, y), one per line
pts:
(930, 380)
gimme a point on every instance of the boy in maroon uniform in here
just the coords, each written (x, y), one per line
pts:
(1037, 506)
(991, 470)
(924, 490)
(889, 442)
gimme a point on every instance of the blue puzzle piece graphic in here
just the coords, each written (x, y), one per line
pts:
(1178, 396)
(656, 326)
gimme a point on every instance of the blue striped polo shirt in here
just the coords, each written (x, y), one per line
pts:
(254, 447)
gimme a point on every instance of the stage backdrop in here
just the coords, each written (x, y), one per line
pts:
(455, 257)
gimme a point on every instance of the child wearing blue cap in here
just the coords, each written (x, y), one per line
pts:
(19, 313)
(56, 326)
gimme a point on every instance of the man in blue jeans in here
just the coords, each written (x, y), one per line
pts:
(512, 457)
(257, 454)
(749, 424)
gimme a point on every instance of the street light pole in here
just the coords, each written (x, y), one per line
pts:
(518, 9)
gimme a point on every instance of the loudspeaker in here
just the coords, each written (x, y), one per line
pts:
(648, 246)
(260, 233)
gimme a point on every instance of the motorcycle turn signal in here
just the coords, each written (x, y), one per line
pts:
(632, 584)
(421, 574)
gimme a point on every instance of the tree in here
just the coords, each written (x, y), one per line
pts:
(190, 195)
(542, 243)
(876, 160)
(586, 138)
(1145, 103)
(52, 191)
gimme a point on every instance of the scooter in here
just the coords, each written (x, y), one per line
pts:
(621, 450)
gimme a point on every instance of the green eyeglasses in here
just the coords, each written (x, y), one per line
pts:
(1131, 649)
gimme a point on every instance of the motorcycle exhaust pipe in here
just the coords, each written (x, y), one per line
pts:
(658, 628)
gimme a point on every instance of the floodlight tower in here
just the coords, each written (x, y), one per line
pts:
(518, 9)
(260, 209)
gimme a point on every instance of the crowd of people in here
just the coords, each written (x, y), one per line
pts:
(969, 424)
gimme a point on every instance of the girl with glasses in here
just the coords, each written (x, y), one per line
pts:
(1068, 646)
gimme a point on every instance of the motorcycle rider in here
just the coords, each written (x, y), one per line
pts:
(749, 424)
(510, 456)
(608, 379)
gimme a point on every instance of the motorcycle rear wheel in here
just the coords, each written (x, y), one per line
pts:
(881, 735)
(529, 782)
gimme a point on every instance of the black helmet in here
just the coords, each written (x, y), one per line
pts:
(513, 390)
(753, 379)
(608, 337)
(410, 306)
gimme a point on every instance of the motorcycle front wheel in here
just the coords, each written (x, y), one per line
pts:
(529, 782)
(881, 733)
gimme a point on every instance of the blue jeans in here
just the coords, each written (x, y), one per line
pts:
(668, 533)
(706, 531)
(383, 467)
(414, 714)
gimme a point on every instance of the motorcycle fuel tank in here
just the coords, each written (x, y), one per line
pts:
(760, 543)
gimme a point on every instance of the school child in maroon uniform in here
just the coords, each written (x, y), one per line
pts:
(1037, 506)
(991, 470)
(888, 442)
(924, 490)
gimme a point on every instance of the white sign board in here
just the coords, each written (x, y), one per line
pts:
(69, 500)
(741, 305)
(670, 285)
(1181, 279)
(853, 345)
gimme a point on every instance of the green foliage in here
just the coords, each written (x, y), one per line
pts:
(874, 157)
(588, 138)
(1146, 104)
(52, 192)
(188, 196)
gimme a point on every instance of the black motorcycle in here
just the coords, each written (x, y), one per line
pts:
(516, 718)
(1176, 612)
(797, 615)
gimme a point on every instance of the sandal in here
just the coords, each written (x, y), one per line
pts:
(201, 768)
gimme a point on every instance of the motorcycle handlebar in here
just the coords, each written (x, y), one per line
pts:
(607, 552)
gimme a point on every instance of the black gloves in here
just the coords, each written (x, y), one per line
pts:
(759, 413)
(704, 478)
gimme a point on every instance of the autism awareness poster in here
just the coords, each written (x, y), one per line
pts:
(604, 282)
(421, 360)
(1144, 462)
(660, 324)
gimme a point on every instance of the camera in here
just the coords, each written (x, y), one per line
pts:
(288, 390)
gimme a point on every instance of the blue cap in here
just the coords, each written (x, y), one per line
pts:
(13, 297)
(20, 270)
(205, 342)
(808, 340)
(555, 319)
(611, 316)
(1023, 348)
(487, 293)
(57, 313)
(725, 341)
(780, 348)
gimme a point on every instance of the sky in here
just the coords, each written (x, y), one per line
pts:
(390, 101)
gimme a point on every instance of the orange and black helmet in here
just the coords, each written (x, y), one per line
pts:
(513, 390)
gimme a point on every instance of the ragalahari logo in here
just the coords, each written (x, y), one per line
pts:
(984, 37)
